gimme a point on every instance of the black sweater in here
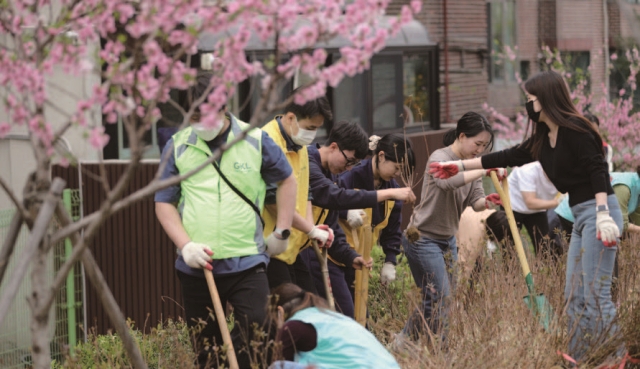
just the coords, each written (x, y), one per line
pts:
(576, 165)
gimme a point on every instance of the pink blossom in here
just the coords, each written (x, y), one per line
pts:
(416, 6)
(614, 57)
(5, 128)
(97, 138)
(63, 161)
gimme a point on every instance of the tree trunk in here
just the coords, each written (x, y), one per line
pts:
(40, 349)
(9, 243)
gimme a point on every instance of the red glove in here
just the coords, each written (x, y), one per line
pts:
(445, 169)
(325, 227)
(500, 172)
(492, 201)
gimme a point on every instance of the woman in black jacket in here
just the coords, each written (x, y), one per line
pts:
(570, 151)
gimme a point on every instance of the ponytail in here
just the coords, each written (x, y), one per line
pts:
(449, 137)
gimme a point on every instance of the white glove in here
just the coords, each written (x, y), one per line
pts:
(388, 273)
(319, 235)
(276, 245)
(197, 255)
(355, 218)
(606, 228)
(501, 173)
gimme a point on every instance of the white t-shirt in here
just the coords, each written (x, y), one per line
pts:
(529, 178)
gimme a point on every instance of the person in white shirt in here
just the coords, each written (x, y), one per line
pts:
(531, 195)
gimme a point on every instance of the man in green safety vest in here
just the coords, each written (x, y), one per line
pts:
(213, 217)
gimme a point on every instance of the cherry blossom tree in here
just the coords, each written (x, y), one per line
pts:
(619, 119)
(136, 52)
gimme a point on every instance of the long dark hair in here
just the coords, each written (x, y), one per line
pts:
(471, 124)
(553, 94)
(396, 147)
(292, 298)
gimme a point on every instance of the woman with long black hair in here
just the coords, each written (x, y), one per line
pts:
(570, 151)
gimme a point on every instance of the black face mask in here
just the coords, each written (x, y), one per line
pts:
(533, 115)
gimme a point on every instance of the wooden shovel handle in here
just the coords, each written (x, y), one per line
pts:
(324, 268)
(222, 320)
(503, 191)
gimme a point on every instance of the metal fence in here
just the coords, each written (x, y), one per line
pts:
(66, 319)
(131, 249)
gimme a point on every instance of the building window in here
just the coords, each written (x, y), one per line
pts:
(349, 99)
(386, 85)
(502, 36)
(417, 91)
(398, 94)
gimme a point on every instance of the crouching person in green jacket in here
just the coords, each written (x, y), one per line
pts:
(314, 336)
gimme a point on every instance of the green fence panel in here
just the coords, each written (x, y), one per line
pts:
(67, 317)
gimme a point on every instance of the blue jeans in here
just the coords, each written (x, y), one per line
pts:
(590, 264)
(433, 264)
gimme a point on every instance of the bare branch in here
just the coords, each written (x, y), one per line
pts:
(146, 191)
(40, 227)
(14, 199)
(113, 310)
(9, 243)
(97, 279)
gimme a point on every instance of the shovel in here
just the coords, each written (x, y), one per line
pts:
(362, 276)
(324, 268)
(222, 320)
(537, 303)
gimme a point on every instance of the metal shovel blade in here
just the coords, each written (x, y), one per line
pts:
(541, 308)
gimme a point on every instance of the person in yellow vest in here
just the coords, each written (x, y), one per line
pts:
(346, 146)
(391, 155)
(292, 132)
(213, 217)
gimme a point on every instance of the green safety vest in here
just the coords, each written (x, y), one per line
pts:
(212, 213)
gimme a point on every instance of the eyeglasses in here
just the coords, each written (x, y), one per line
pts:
(349, 161)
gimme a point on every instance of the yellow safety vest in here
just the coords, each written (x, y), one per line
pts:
(299, 162)
(348, 231)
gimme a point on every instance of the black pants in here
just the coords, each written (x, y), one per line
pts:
(537, 225)
(247, 292)
(280, 272)
(567, 227)
(342, 295)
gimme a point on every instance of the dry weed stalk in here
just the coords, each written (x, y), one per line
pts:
(489, 325)
(408, 174)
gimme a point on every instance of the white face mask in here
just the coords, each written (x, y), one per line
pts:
(304, 137)
(207, 134)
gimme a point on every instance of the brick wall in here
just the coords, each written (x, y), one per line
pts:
(506, 97)
(467, 53)
(547, 31)
(581, 28)
(614, 22)
(571, 25)
(625, 29)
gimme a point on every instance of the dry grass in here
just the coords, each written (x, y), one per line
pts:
(490, 326)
